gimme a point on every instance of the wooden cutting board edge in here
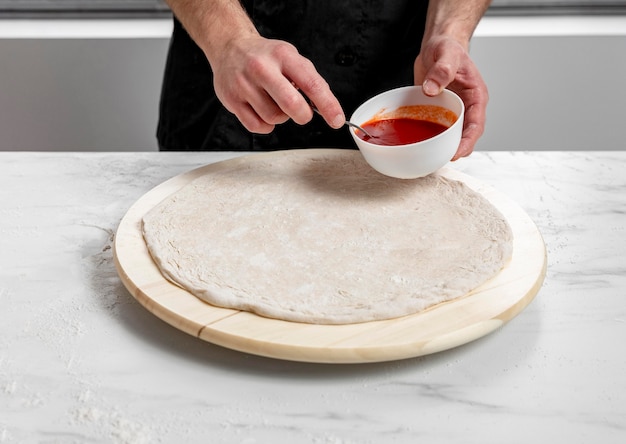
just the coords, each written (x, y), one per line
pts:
(354, 343)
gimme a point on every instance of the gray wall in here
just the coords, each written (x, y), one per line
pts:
(554, 92)
(74, 95)
(101, 94)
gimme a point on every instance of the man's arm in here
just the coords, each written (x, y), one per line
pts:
(257, 79)
(444, 62)
(213, 24)
(454, 18)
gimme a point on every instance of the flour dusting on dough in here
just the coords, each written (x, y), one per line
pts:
(323, 238)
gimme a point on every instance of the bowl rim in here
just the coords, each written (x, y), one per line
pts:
(446, 91)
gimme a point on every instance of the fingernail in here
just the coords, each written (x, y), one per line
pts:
(338, 121)
(431, 88)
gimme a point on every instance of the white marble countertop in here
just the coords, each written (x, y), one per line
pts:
(82, 362)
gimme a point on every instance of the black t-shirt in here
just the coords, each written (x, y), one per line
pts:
(361, 48)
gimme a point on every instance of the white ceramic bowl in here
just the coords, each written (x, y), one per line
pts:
(416, 159)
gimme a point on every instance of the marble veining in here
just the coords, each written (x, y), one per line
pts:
(81, 361)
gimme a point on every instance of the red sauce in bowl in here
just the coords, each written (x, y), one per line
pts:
(407, 124)
(400, 131)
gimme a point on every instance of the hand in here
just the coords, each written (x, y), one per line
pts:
(261, 81)
(445, 63)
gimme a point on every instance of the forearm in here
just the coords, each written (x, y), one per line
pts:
(213, 24)
(260, 80)
(454, 18)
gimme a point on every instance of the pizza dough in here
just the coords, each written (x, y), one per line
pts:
(321, 237)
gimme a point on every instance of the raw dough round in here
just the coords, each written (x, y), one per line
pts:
(321, 237)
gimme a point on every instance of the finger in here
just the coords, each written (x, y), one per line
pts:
(473, 128)
(308, 80)
(253, 106)
(442, 72)
(280, 96)
(470, 136)
(290, 101)
(267, 109)
(237, 100)
(251, 120)
(327, 105)
(475, 99)
(418, 70)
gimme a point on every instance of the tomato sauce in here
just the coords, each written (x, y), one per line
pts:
(400, 131)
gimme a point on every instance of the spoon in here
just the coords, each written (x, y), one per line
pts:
(347, 122)
(357, 127)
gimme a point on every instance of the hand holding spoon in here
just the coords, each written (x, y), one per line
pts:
(347, 122)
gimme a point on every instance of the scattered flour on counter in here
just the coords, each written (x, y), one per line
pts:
(112, 425)
(84, 415)
(103, 278)
(63, 324)
(329, 439)
(125, 431)
(9, 387)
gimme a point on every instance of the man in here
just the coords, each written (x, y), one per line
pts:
(237, 71)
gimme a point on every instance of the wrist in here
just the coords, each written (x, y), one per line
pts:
(221, 34)
(454, 31)
(214, 25)
(453, 19)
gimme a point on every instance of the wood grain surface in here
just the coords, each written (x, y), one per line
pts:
(439, 328)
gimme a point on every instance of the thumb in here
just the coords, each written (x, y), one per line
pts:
(431, 87)
(442, 70)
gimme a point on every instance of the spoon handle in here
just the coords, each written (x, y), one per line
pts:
(357, 127)
(347, 122)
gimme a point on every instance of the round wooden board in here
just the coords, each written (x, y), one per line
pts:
(439, 328)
